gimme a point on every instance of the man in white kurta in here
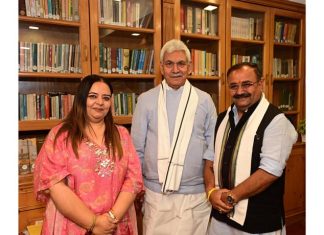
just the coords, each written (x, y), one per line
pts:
(173, 131)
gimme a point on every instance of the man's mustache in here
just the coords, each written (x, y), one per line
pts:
(176, 75)
(244, 95)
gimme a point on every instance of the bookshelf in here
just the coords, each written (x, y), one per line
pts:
(248, 34)
(126, 46)
(53, 57)
(59, 45)
(203, 32)
(273, 37)
(246, 31)
(287, 70)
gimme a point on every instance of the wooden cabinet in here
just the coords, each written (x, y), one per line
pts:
(93, 31)
(62, 41)
(248, 31)
(245, 31)
(136, 41)
(203, 31)
(54, 54)
(295, 185)
(247, 37)
(272, 35)
(287, 63)
(30, 210)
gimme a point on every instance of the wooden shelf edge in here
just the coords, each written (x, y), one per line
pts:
(277, 79)
(251, 41)
(200, 36)
(26, 179)
(50, 75)
(49, 21)
(126, 28)
(286, 44)
(32, 207)
(122, 120)
(38, 125)
(128, 76)
(203, 78)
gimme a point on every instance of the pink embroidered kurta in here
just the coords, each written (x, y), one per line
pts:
(99, 193)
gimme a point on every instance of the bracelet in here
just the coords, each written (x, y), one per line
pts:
(210, 192)
(89, 231)
(112, 215)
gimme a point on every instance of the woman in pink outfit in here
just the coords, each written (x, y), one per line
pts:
(87, 170)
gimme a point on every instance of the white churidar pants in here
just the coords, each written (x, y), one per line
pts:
(175, 214)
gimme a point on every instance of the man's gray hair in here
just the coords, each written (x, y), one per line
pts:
(175, 45)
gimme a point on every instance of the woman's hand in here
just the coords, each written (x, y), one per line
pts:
(104, 225)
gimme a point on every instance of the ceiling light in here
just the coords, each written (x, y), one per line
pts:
(33, 27)
(210, 8)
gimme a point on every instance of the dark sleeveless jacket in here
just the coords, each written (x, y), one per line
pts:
(265, 212)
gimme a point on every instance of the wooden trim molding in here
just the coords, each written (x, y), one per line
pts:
(281, 4)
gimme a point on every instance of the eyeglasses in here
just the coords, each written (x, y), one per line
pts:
(170, 64)
(244, 85)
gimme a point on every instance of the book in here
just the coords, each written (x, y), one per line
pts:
(32, 152)
(101, 55)
(129, 13)
(146, 21)
(182, 19)
(22, 8)
(197, 20)
(125, 66)
(23, 155)
(189, 19)
(113, 60)
(258, 29)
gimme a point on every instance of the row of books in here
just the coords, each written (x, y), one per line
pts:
(247, 28)
(284, 68)
(124, 103)
(126, 13)
(27, 154)
(56, 105)
(204, 63)
(197, 20)
(285, 32)
(46, 57)
(53, 105)
(236, 59)
(286, 100)
(51, 9)
(126, 61)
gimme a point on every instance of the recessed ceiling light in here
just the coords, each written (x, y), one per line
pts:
(210, 8)
(33, 27)
(135, 34)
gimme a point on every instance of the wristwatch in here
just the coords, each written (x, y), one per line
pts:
(230, 199)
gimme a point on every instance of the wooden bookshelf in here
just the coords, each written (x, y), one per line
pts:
(207, 37)
(287, 62)
(88, 31)
(265, 48)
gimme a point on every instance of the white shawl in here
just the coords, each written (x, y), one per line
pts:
(173, 170)
(243, 164)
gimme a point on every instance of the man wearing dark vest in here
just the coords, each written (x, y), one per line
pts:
(253, 141)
